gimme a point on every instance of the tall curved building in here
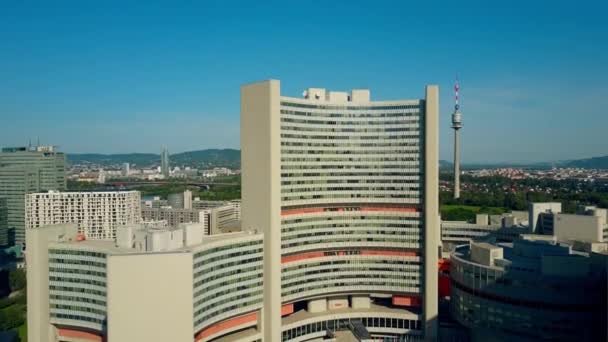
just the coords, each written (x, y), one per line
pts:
(345, 190)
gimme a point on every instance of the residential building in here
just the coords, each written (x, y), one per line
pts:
(155, 202)
(174, 217)
(153, 285)
(535, 288)
(346, 190)
(97, 214)
(25, 170)
(217, 216)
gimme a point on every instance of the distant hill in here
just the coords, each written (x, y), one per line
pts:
(588, 163)
(232, 158)
(142, 159)
(216, 157)
(202, 158)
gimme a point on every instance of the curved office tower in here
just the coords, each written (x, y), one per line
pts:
(345, 190)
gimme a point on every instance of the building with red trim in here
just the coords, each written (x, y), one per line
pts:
(345, 190)
(151, 284)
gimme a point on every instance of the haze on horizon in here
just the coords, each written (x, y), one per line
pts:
(118, 78)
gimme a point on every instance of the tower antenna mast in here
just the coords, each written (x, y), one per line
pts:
(456, 125)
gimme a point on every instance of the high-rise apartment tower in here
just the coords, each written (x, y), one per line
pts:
(345, 190)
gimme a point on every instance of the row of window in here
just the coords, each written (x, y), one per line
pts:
(345, 324)
(77, 308)
(377, 159)
(208, 252)
(342, 283)
(404, 165)
(208, 291)
(221, 256)
(414, 196)
(361, 129)
(200, 280)
(77, 290)
(313, 152)
(78, 299)
(351, 145)
(411, 241)
(78, 271)
(413, 182)
(76, 252)
(79, 262)
(238, 305)
(402, 122)
(226, 265)
(78, 281)
(346, 263)
(351, 107)
(354, 215)
(338, 233)
(78, 318)
(310, 273)
(287, 136)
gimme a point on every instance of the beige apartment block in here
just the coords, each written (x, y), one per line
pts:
(97, 214)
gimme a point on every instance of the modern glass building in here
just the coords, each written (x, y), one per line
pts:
(25, 170)
(345, 189)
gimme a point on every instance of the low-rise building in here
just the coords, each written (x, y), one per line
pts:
(148, 285)
(535, 288)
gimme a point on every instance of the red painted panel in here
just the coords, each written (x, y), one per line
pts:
(395, 209)
(406, 300)
(287, 309)
(227, 324)
(444, 285)
(312, 255)
(444, 265)
(85, 335)
(302, 256)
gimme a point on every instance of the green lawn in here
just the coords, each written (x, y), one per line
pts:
(467, 212)
(22, 329)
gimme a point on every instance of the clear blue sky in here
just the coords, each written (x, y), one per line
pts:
(97, 76)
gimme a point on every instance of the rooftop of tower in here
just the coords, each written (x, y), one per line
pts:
(321, 94)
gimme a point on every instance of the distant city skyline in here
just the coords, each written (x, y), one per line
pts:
(132, 78)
